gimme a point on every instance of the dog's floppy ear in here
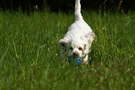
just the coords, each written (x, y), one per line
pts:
(90, 37)
(62, 43)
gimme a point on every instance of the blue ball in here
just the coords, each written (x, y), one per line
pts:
(76, 59)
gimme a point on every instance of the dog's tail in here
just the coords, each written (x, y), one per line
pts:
(78, 15)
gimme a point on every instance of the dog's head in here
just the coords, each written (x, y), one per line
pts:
(78, 46)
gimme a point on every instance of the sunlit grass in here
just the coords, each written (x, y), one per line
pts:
(30, 56)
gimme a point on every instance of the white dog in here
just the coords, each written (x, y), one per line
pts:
(78, 39)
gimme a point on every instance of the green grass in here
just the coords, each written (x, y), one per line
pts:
(29, 44)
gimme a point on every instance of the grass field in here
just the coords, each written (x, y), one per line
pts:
(29, 53)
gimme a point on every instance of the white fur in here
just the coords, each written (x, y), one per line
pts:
(77, 41)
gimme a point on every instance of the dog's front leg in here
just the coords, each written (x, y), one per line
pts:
(85, 59)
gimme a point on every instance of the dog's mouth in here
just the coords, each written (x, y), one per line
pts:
(75, 55)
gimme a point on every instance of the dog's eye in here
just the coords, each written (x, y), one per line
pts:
(80, 48)
(71, 48)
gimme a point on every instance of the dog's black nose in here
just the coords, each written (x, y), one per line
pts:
(75, 54)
